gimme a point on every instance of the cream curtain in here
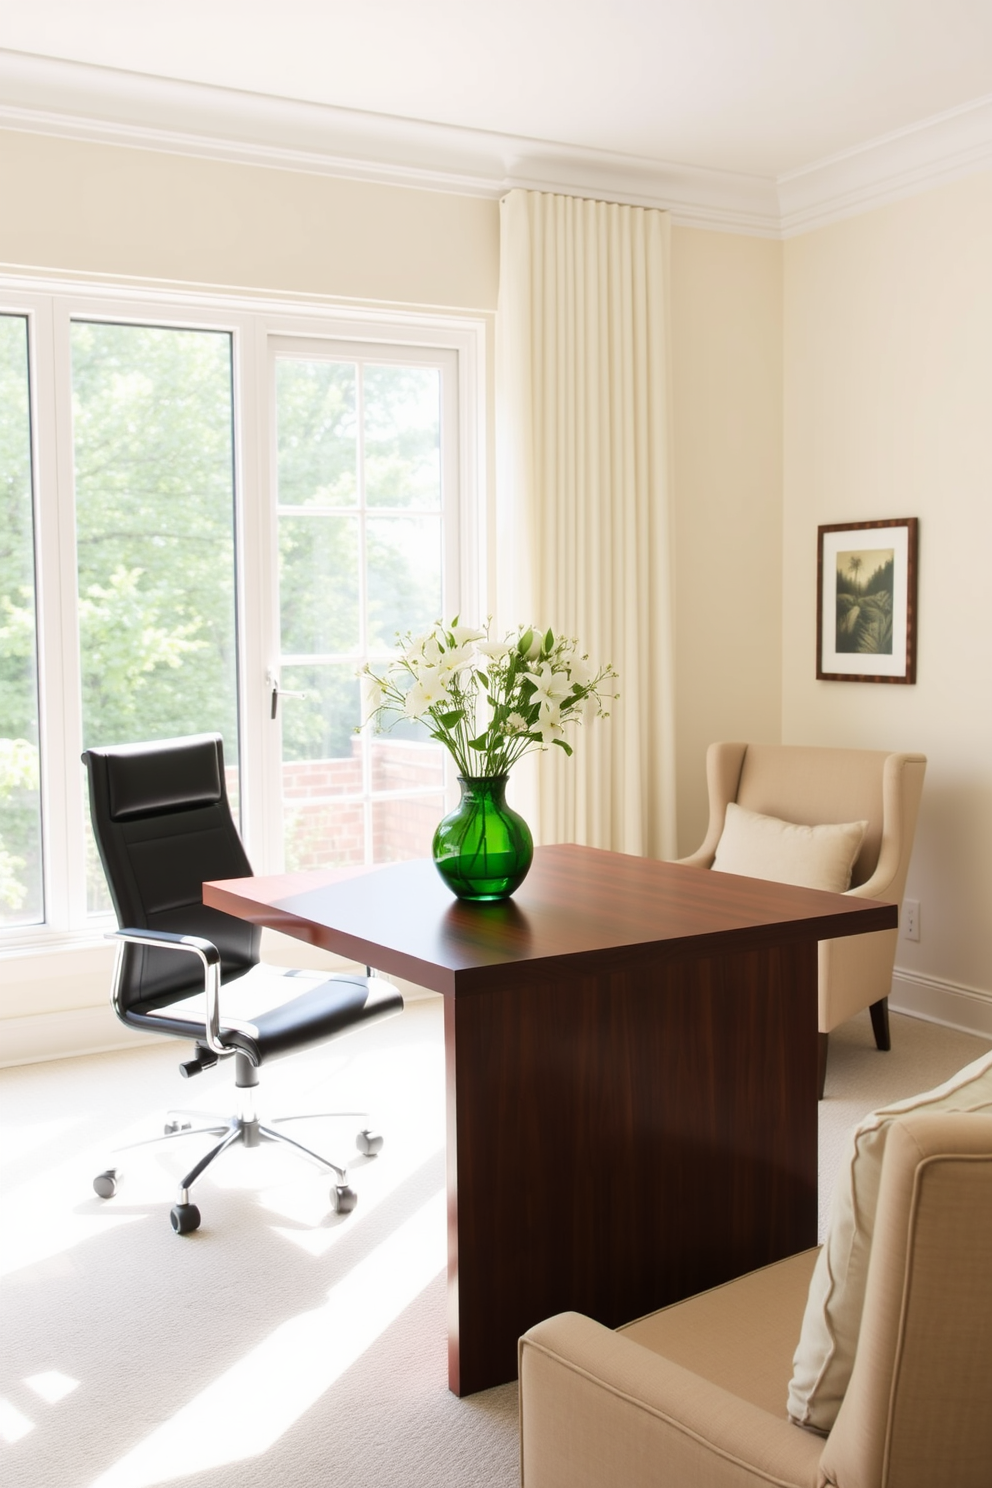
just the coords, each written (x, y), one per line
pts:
(583, 528)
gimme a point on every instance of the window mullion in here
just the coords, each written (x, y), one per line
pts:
(257, 618)
(61, 668)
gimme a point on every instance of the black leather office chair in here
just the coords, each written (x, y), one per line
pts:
(163, 827)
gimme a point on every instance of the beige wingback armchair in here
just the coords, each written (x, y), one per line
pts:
(811, 786)
(696, 1394)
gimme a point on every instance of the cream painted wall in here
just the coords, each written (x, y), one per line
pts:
(73, 207)
(727, 378)
(888, 413)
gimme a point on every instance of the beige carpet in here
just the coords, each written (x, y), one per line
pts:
(279, 1346)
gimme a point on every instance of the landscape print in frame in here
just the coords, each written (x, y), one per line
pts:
(866, 601)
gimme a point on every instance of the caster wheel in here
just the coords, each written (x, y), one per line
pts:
(369, 1142)
(105, 1184)
(343, 1198)
(185, 1219)
(171, 1127)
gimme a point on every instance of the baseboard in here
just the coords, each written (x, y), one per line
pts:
(964, 1008)
(88, 1030)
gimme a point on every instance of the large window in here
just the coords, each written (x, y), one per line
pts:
(209, 522)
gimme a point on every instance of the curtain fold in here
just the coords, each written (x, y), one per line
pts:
(583, 521)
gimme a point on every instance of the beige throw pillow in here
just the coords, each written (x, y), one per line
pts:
(825, 1356)
(813, 857)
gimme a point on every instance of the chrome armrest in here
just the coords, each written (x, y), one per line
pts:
(193, 945)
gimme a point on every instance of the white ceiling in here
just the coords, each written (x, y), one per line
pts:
(757, 88)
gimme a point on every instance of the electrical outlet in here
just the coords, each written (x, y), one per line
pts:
(911, 919)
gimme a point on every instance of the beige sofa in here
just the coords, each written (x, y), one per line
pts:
(696, 1394)
(813, 786)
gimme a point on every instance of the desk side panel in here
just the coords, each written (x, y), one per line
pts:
(619, 1141)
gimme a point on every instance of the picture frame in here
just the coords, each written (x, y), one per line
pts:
(866, 601)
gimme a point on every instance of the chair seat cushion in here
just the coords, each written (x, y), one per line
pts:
(740, 1336)
(757, 846)
(825, 1355)
(272, 1011)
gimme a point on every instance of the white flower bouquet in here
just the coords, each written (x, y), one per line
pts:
(488, 701)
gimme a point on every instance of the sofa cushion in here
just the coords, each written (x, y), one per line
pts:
(825, 1355)
(759, 846)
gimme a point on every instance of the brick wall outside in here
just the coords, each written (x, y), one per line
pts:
(321, 832)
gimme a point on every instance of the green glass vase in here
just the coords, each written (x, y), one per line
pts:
(483, 849)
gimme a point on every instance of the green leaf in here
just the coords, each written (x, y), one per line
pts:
(562, 745)
(450, 719)
(481, 743)
(525, 642)
(549, 641)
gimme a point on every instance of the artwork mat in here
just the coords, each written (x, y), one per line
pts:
(899, 535)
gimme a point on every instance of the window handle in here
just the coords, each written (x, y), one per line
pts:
(278, 692)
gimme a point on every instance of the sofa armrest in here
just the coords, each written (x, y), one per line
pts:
(597, 1409)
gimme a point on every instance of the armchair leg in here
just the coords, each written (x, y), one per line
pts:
(822, 1040)
(880, 1023)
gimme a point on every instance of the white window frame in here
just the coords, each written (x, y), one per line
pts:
(255, 324)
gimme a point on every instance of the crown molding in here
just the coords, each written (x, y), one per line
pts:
(933, 153)
(103, 105)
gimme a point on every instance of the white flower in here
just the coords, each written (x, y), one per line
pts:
(463, 634)
(427, 692)
(415, 647)
(517, 723)
(549, 723)
(495, 649)
(580, 673)
(455, 660)
(550, 686)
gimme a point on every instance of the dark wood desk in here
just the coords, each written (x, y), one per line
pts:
(631, 1073)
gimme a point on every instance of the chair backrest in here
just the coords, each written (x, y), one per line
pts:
(814, 785)
(163, 826)
(917, 1410)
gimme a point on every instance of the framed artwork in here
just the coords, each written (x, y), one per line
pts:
(866, 601)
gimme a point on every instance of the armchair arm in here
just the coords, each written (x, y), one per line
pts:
(192, 945)
(724, 763)
(597, 1408)
(902, 786)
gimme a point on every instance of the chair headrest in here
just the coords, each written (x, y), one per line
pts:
(166, 775)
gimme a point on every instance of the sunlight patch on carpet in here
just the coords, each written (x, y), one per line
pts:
(249, 1407)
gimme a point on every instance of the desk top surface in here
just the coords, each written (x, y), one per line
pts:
(576, 901)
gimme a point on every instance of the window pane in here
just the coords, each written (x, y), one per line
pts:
(404, 827)
(318, 584)
(403, 436)
(154, 482)
(404, 576)
(321, 725)
(21, 894)
(322, 761)
(317, 433)
(405, 764)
